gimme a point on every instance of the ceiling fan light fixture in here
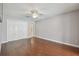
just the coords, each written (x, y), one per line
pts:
(34, 15)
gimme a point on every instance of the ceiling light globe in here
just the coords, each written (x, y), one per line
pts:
(35, 15)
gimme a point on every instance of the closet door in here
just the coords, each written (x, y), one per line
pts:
(16, 30)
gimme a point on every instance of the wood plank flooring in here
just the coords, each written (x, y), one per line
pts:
(37, 47)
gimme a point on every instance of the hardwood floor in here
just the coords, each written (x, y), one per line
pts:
(37, 47)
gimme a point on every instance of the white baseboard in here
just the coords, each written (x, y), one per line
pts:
(58, 41)
(4, 42)
(13, 40)
(47, 39)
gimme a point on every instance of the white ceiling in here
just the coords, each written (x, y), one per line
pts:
(19, 10)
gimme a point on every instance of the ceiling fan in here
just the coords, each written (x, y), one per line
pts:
(34, 13)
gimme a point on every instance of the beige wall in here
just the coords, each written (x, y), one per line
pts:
(63, 28)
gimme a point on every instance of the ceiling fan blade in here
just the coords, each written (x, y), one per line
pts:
(28, 15)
